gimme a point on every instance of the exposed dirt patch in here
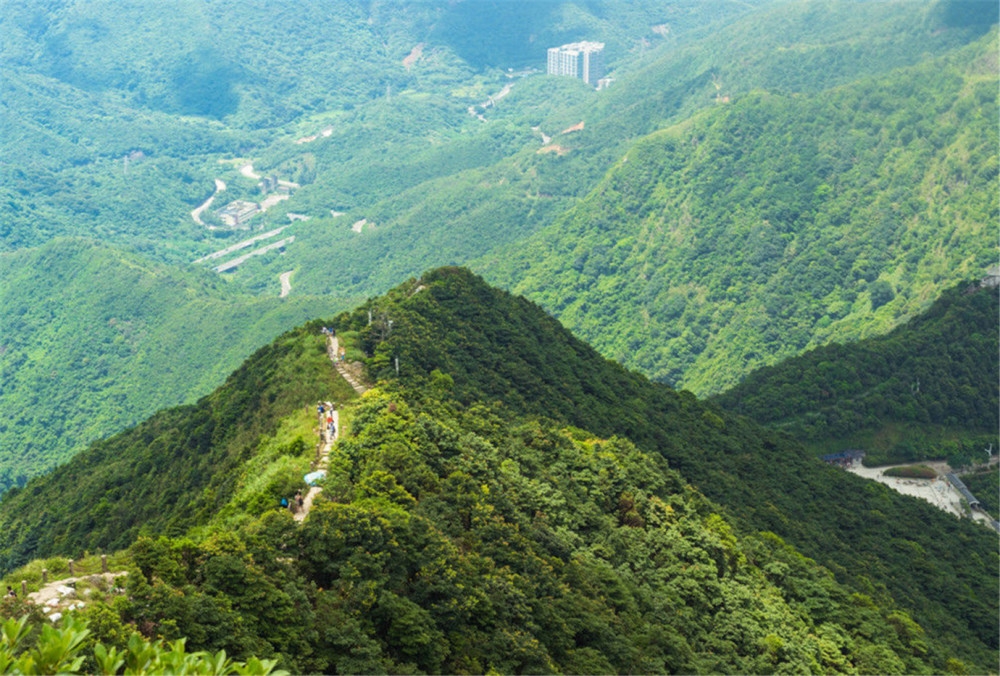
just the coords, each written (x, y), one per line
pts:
(576, 127)
(413, 56)
(553, 148)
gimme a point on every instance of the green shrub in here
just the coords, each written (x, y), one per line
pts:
(912, 472)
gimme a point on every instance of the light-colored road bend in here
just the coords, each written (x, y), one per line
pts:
(286, 283)
(196, 214)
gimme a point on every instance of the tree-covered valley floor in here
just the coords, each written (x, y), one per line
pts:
(511, 501)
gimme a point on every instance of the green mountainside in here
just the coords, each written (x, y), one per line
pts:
(927, 389)
(777, 223)
(112, 141)
(494, 345)
(178, 468)
(177, 87)
(443, 197)
(94, 340)
(467, 539)
(759, 180)
(472, 520)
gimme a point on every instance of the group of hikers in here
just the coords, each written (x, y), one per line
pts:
(325, 413)
(295, 504)
(341, 352)
(326, 418)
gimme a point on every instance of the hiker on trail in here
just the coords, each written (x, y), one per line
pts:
(298, 499)
(284, 502)
(11, 592)
(321, 409)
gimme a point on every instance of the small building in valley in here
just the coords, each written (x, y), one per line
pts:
(237, 213)
(583, 60)
(844, 458)
(964, 490)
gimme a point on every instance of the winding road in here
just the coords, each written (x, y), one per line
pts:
(196, 214)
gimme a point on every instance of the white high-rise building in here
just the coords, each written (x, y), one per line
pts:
(584, 60)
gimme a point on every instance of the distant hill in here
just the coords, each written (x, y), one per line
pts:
(184, 85)
(94, 340)
(927, 389)
(508, 472)
(777, 222)
(468, 195)
(757, 162)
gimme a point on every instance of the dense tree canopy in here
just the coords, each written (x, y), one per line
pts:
(927, 389)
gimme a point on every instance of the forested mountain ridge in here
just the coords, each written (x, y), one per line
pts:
(927, 389)
(180, 467)
(129, 334)
(458, 533)
(875, 121)
(458, 538)
(776, 222)
(493, 345)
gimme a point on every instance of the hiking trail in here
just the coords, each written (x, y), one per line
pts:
(348, 371)
(59, 592)
(327, 438)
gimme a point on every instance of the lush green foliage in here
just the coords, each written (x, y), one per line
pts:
(912, 472)
(813, 206)
(454, 535)
(179, 468)
(879, 542)
(927, 389)
(94, 340)
(986, 487)
(58, 650)
(777, 223)
(465, 539)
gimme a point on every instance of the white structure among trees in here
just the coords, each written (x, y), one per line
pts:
(584, 60)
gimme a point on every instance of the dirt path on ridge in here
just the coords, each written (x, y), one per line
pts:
(327, 439)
